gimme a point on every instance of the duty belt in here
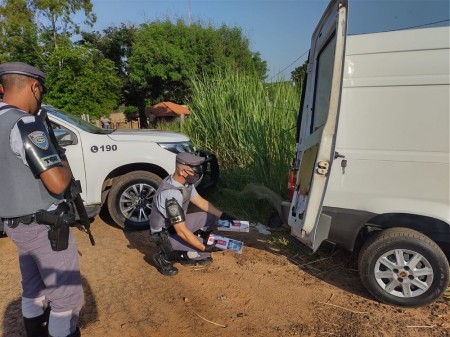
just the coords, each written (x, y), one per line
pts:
(14, 222)
(61, 215)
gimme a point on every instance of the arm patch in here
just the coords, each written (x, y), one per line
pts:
(175, 212)
(39, 151)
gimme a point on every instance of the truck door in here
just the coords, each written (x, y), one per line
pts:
(315, 147)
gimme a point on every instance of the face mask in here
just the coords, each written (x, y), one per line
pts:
(198, 171)
(192, 179)
(39, 101)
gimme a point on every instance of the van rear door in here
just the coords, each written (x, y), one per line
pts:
(315, 147)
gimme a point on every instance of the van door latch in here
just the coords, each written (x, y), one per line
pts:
(338, 155)
(322, 167)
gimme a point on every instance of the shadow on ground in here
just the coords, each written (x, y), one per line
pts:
(13, 321)
(329, 264)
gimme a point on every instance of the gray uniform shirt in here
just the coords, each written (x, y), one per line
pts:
(15, 138)
(16, 142)
(168, 194)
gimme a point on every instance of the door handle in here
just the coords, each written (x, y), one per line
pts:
(338, 155)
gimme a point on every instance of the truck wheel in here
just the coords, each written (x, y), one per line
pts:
(403, 267)
(130, 199)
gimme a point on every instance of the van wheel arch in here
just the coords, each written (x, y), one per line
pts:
(437, 230)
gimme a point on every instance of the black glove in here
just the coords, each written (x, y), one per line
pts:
(210, 248)
(227, 217)
(203, 234)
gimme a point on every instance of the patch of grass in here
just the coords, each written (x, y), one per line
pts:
(244, 206)
(249, 125)
(281, 241)
(238, 194)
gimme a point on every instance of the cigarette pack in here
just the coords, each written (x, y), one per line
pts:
(233, 226)
(226, 243)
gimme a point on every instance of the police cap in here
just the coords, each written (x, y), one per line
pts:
(189, 159)
(21, 68)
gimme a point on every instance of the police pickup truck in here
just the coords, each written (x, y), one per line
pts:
(121, 169)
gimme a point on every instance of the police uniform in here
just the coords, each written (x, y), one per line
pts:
(50, 279)
(170, 189)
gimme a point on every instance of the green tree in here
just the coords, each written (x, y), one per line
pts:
(165, 55)
(115, 44)
(86, 84)
(30, 29)
(236, 49)
(298, 75)
(59, 24)
(18, 33)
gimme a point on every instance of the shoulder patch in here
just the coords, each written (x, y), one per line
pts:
(39, 139)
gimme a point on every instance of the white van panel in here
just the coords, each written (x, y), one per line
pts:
(398, 41)
(374, 118)
(394, 125)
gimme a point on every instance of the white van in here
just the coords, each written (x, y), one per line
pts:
(371, 172)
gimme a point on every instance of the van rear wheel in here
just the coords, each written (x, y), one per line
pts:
(403, 267)
(130, 199)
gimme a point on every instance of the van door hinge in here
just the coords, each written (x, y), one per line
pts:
(322, 167)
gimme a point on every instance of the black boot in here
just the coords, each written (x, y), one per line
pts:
(164, 265)
(77, 333)
(37, 326)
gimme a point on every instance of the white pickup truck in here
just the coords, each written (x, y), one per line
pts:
(123, 168)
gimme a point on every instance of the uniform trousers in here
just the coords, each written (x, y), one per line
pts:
(50, 275)
(194, 221)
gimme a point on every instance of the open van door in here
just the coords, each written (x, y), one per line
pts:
(317, 131)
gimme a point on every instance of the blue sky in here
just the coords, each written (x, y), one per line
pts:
(279, 29)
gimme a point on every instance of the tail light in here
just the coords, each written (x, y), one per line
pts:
(292, 179)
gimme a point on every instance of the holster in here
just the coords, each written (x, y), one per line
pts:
(59, 221)
(162, 240)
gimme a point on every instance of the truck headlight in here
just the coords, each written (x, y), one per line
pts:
(178, 147)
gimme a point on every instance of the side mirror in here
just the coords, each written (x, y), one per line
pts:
(65, 137)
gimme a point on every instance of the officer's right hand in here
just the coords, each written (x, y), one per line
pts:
(210, 248)
(225, 216)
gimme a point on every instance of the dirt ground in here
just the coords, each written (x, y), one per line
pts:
(268, 290)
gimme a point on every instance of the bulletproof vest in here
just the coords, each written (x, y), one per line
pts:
(158, 220)
(21, 192)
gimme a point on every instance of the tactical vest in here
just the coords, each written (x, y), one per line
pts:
(21, 192)
(159, 221)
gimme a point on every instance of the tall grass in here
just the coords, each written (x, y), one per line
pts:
(248, 124)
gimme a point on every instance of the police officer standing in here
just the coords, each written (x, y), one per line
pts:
(33, 180)
(187, 233)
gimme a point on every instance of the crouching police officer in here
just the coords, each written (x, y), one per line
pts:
(182, 236)
(34, 177)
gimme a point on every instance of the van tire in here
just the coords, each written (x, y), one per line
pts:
(431, 262)
(122, 197)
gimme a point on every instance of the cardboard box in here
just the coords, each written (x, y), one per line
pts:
(226, 243)
(233, 226)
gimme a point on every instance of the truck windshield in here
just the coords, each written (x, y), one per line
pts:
(76, 121)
